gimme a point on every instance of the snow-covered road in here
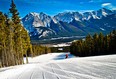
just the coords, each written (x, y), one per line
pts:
(55, 66)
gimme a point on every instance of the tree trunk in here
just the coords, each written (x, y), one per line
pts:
(26, 58)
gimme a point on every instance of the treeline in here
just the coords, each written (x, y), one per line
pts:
(95, 45)
(38, 50)
(14, 39)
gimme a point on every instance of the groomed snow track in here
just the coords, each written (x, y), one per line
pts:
(55, 66)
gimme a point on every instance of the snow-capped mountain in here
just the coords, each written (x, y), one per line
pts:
(41, 25)
(68, 16)
(97, 14)
(37, 19)
(37, 24)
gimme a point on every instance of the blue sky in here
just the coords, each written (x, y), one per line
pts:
(52, 7)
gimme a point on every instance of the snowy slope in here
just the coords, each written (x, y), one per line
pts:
(54, 66)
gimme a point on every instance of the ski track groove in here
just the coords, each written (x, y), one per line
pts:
(21, 74)
(37, 73)
(69, 75)
(61, 68)
(64, 71)
(72, 75)
(43, 74)
(58, 70)
(85, 69)
(32, 74)
(54, 72)
(76, 73)
(93, 68)
(68, 72)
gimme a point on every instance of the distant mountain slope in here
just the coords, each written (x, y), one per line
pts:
(40, 25)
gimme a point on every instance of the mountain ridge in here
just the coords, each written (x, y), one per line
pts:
(41, 25)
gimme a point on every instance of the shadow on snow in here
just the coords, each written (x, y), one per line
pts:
(63, 56)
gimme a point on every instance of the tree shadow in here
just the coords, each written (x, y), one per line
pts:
(63, 56)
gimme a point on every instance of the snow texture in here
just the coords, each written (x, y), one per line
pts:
(55, 66)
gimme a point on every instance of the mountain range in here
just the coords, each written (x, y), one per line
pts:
(67, 24)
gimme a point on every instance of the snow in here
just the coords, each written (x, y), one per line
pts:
(54, 20)
(34, 14)
(104, 13)
(67, 37)
(68, 17)
(61, 45)
(55, 66)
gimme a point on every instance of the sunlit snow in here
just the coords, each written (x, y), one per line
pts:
(55, 66)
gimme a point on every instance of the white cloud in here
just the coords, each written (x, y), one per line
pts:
(106, 4)
(109, 6)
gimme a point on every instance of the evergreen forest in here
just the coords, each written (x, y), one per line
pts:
(98, 44)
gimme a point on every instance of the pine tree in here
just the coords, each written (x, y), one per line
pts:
(106, 44)
(15, 14)
(95, 42)
(2, 39)
(113, 41)
(16, 31)
(26, 43)
(100, 43)
(89, 43)
(14, 39)
(21, 38)
(9, 40)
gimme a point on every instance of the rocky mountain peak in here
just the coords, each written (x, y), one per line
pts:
(69, 23)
